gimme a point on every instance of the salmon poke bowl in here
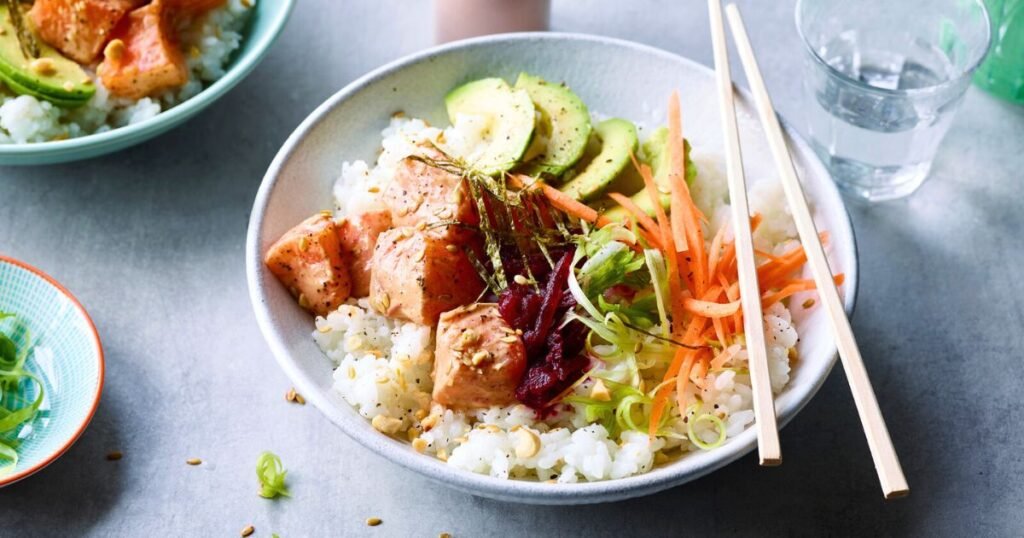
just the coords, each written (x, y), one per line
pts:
(503, 265)
(84, 77)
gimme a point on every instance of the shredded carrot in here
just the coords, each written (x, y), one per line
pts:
(732, 295)
(650, 231)
(725, 356)
(682, 394)
(793, 287)
(767, 255)
(562, 201)
(693, 337)
(659, 212)
(677, 173)
(716, 251)
(720, 328)
(682, 205)
(710, 309)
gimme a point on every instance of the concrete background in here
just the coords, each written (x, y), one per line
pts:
(151, 241)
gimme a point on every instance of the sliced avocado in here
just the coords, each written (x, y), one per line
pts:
(510, 120)
(562, 129)
(656, 155)
(51, 77)
(618, 140)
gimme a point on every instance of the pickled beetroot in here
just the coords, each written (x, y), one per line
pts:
(553, 353)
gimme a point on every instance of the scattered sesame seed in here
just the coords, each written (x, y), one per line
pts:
(248, 530)
(115, 455)
(373, 521)
(194, 461)
(521, 280)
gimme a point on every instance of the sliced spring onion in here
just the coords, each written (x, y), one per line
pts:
(12, 375)
(695, 417)
(659, 279)
(271, 475)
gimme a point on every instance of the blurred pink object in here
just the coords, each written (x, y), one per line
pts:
(459, 19)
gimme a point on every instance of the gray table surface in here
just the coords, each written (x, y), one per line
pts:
(151, 241)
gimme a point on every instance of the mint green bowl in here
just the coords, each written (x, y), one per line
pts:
(67, 356)
(261, 32)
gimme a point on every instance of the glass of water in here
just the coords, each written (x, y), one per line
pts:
(885, 78)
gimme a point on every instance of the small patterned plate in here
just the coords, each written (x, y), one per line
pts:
(67, 357)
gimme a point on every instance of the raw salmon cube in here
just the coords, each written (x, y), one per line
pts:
(417, 275)
(79, 28)
(308, 261)
(425, 195)
(143, 56)
(358, 236)
(479, 360)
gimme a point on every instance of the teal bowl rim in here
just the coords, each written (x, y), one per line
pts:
(119, 137)
(101, 368)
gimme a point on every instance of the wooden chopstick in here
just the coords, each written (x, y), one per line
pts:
(769, 452)
(887, 464)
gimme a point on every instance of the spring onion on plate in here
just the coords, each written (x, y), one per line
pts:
(13, 409)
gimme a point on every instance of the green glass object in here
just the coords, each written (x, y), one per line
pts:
(1002, 73)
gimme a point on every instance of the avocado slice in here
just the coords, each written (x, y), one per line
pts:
(562, 129)
(51, 77)
(656, 155)
(618, 141)
(509, 114)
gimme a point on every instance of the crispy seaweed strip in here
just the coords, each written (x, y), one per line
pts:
(26, 39)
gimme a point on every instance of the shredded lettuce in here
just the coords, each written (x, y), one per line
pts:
(271, 474)
(13, 411)
(610, 260)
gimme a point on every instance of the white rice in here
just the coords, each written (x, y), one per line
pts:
(384, 365)
(208, 45)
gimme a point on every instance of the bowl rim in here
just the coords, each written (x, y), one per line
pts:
(395, 451)
(101, 374)
(240, 68)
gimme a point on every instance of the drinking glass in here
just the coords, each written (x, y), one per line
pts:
(884, 79)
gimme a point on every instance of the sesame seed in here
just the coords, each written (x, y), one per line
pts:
(248, 530)
(115, 455)
(373, 521)
(194, 461)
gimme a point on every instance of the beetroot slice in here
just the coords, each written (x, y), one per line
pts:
(553, 353)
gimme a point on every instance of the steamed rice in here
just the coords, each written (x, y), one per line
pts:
(384, 365)
(208, 44)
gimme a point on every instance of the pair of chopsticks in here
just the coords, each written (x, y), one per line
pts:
(887, 464)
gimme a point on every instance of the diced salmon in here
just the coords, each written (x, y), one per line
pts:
(79, 28)
(308, 261)
(478, 360)
(422, 193)
(143, 56)
(358, 236)
(418, 275)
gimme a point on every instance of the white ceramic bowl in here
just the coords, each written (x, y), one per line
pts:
(613, 77)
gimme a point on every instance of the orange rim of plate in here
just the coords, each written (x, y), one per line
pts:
(12, 478)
